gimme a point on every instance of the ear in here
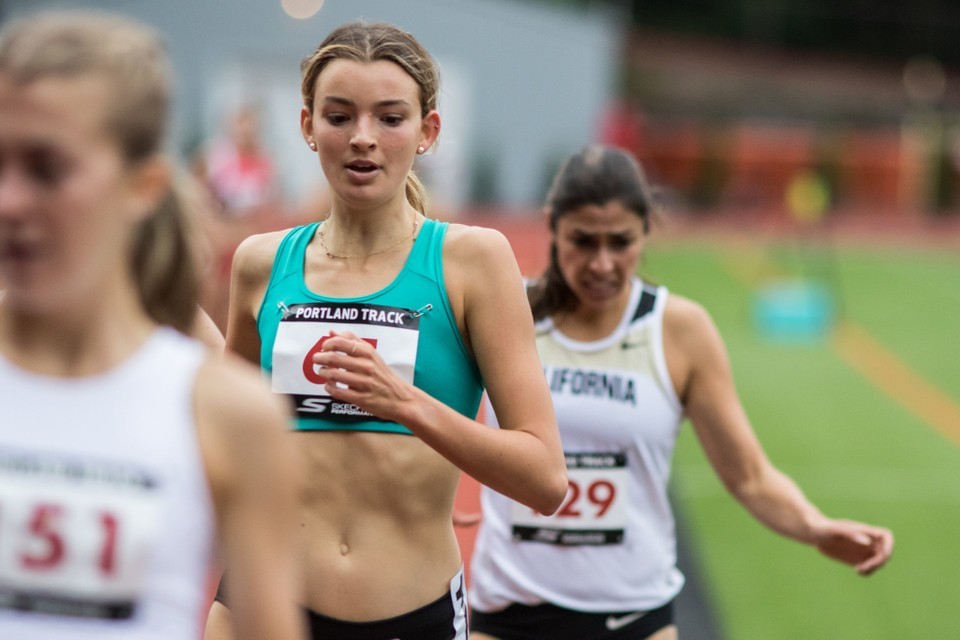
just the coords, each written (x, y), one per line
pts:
(151, 183)
(429, 129)
(548, 219)
(306, 124)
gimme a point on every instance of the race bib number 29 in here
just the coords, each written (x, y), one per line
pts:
(594, 511)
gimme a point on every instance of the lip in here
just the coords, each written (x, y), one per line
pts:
(362, 170)
(600, 290)
(18, 251)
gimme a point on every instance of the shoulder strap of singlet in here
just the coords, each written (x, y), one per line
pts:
(288, 261)
(293, 248)
(426, 257)
(647, 302)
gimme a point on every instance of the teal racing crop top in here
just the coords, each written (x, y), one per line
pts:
(409, 322)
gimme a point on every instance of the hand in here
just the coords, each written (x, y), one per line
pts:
(865, 547)
(356, 374)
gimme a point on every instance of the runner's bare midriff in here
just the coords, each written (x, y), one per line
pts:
(377, 523)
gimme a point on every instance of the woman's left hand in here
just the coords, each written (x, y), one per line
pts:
(865, 547)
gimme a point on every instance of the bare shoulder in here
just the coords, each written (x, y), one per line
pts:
(691, 342)
(253, 258)
(241, 428)
(471, 250)
(685, 317)
(232, 398)
(478, 259)
(470, 243)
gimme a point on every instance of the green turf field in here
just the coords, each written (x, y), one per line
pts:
(856, 450)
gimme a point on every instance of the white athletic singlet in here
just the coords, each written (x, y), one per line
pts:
(106, 519)
(611, 546)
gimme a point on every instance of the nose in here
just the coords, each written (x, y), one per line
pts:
(602, 260)
(363, 138)
(15, 194)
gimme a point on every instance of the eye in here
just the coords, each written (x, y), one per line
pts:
(620, 243)
(392, 120)
(584, 242)
(46, 167)
(336, 118)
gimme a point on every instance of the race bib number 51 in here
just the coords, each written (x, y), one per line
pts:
(76, 538)
(594, 511)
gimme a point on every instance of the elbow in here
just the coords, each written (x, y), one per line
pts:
(739, 485)
(746, 484)
(555, 490)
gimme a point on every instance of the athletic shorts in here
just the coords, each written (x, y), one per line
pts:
(523, 622)
(442, 619)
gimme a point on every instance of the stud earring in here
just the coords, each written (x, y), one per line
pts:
(421, 150)
(312, 145)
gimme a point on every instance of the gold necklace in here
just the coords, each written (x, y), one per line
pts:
(331, 254)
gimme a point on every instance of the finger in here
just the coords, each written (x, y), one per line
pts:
(341, 380)
(883, 546)
(341, 343)
(867, 567)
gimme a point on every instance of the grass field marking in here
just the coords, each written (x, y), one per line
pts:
(874, 362)
(892, 376)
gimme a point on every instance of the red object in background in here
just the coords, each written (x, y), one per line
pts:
(622, 125)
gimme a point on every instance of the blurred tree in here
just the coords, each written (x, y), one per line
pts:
(886, 29)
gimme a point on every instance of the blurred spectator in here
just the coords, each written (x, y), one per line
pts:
(239, 170)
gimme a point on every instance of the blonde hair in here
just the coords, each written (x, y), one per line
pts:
(132, 58)
(361, 41)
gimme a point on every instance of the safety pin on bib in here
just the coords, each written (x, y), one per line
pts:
(427, 308)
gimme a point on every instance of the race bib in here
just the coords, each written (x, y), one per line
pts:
(303, 329)
(594, 511)
(76, 536)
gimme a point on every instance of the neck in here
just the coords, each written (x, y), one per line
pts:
(590, 323)
(349, 235)
(75, 342)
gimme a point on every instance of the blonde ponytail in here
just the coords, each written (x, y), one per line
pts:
(168, 254)
(416, 193)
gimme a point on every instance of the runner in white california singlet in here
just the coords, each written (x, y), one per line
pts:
(619, 417)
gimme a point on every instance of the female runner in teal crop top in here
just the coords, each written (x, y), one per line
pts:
(381, 325)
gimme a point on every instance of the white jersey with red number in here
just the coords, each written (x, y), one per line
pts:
(106, 520)
(611, 546)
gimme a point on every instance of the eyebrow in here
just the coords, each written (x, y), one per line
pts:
(397, 102)
(614, 234)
